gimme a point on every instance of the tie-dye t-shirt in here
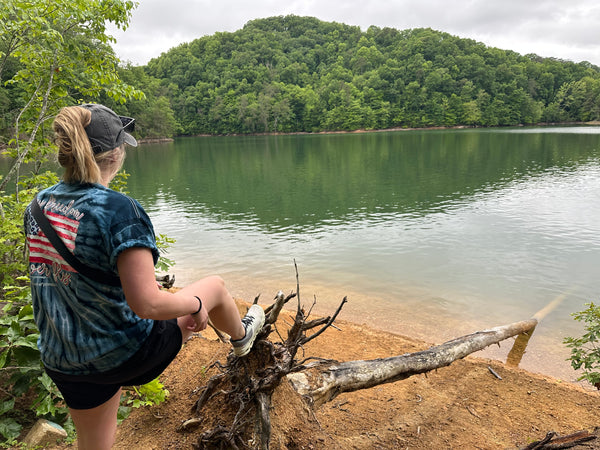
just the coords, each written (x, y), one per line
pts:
(86, 327)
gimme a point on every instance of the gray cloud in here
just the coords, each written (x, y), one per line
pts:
(551, 28)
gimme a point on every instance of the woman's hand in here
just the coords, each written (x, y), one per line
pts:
(197, 322)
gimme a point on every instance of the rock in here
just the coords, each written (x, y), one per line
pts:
(44, 432)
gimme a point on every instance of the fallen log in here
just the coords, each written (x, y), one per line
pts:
(321, 381)
(245, 385)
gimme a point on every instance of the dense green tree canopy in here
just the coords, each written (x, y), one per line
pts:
(54, 54)
(300, 74)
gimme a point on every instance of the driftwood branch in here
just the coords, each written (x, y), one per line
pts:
(272, 312)
(166, 281)
(554, 442)
(327, 325)
(327, 381)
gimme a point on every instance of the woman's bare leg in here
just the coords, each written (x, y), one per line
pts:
(97, 427)
(221, 307)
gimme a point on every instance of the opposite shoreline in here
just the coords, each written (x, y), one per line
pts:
(360, 131)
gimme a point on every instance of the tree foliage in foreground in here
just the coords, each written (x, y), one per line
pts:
(585, 350)
(300, 74)
(54, 54)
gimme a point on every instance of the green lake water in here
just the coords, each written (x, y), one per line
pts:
(431, 234)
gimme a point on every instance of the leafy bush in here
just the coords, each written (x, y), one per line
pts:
(21, 371)
(152, 393)
(585, 352)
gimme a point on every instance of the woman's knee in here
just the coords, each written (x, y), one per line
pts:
(216, 281)
(215, 290)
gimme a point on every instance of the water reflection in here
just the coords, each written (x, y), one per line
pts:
(511, 207)
(298, 183)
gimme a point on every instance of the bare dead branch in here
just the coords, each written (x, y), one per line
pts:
(329, 322)
(553, 442)
(263, 421)
(297, 285)
(272, 312)
(315, 323)
(285, 301)
(329, 381)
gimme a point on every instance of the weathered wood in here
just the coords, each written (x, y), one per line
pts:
(322, 382)
(166, 281)
(263, 420)
(247, 384)
(554, 442)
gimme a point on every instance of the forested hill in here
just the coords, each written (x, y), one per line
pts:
(290, 74)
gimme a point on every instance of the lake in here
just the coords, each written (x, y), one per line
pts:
(431, 234)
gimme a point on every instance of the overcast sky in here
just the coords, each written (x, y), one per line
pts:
(565, 29)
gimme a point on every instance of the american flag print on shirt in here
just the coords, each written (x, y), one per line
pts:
(42, 251)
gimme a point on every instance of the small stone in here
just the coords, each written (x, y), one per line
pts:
(44, 432)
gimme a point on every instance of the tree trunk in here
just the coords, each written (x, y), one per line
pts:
(323, 381)
(245, 385)
(41, 117)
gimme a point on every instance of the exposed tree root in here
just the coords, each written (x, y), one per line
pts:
(240, 394)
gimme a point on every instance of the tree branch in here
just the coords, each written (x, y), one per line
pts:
(326, 382)
(329, 322)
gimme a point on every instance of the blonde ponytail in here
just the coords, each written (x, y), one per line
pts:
(74, 149)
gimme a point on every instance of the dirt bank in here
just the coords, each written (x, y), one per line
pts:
(463, 406)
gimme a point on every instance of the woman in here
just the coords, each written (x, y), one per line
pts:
(96, 337)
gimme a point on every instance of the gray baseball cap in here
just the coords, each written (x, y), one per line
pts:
(107, 130)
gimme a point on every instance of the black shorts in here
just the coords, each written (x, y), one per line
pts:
(156, 353)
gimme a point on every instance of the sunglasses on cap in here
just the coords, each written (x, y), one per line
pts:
(128, 123)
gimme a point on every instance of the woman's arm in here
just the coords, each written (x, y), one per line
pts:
(136, 270)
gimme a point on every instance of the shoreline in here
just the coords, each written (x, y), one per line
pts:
(155, 140)
(4, 146)
(362, 130)
(411, 314)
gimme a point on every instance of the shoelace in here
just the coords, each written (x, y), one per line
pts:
(247, 320)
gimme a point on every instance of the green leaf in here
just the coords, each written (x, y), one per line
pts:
(45, 405)
(4, 358)
(25, 341)
(27, 357)
(14, 331)
(26, 313)
(9, 429)
(6, 406)
(23, 381)
(123, 412)
(46, 381)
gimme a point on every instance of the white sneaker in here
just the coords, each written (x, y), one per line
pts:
(253, 322)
